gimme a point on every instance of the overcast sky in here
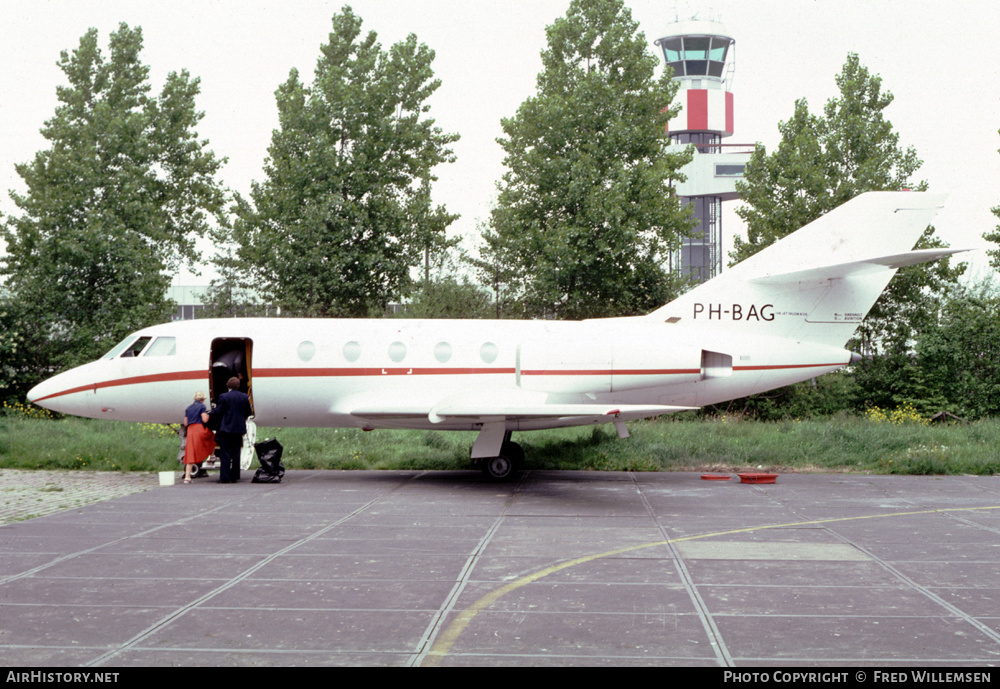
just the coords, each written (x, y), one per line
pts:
(940, 58)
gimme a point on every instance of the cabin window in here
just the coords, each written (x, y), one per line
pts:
(442, 352)
(162, 346)
(306, 350)
(119, 348)
(352, 351)
(136, 348)
(397, 351)
(488, 352)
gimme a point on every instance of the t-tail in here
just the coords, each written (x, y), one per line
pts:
(818, 283)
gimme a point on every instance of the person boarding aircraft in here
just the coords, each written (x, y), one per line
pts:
(779, 317)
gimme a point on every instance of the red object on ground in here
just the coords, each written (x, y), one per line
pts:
(715, 477)
(758, 478)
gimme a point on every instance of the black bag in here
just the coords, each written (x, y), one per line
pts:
(269, 455)
(214, 422)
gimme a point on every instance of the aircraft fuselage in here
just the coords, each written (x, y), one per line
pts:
(395, 372)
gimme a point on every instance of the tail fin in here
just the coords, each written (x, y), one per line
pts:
(819, 282)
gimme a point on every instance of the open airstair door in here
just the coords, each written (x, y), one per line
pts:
(231, 356)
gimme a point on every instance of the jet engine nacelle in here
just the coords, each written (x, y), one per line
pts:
(602, 364)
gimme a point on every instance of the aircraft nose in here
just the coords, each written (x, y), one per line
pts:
(38, 392)
(45, 394)
(64, 393)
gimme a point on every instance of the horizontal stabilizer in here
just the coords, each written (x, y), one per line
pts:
(840, 270)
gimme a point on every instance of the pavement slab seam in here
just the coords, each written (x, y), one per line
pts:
(926, 592)
(166, 620)
(69, 556)
(465, 576)
(704, 614)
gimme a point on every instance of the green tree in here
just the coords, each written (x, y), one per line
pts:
(229, 296)
(113, 206)
(586, 213)
(445, 289)
(783, 190)
(496, 268)
(864, 154)
(823, 161)
(21, 346)
(956, 358)
(345, 211)
(448, 296)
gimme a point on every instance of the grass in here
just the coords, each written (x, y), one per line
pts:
(839, 444)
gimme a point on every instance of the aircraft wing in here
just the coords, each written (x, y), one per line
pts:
(476, 407)
(543, 411)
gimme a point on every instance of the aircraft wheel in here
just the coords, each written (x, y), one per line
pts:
(499, 468)
(515, 452)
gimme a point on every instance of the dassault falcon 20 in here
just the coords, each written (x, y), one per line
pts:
(782, 316)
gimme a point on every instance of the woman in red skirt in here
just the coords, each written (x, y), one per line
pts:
(200, 440)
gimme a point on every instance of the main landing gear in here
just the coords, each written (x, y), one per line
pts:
(504, 466)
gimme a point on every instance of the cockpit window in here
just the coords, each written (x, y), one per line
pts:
(162, 346)
(136, 347)
(119, 348)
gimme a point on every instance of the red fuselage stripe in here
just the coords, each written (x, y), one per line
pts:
(368, 371)
(134, 380)
(616, 372)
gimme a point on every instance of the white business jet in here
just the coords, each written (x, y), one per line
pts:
(782, 316)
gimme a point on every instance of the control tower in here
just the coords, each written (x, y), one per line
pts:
(701, 53)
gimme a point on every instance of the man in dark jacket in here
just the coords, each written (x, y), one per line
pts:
(232, 412)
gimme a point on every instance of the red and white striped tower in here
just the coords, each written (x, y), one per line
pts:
(701, 53)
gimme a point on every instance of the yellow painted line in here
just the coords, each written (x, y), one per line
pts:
(442, 646)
